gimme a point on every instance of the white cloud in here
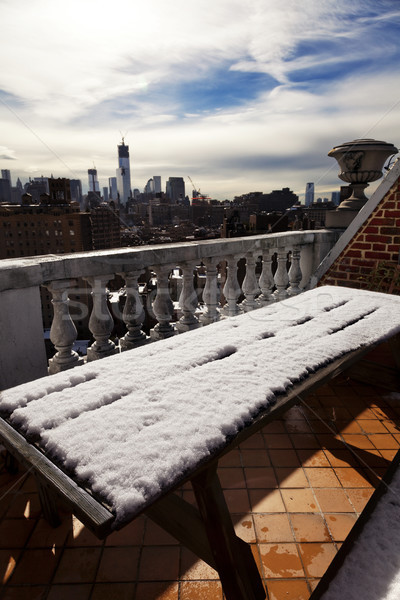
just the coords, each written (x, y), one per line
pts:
(77, 73)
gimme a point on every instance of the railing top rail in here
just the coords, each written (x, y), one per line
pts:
(33, 271)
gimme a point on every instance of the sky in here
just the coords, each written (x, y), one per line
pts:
(238, 95)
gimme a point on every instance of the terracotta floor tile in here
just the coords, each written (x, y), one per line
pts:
(200, 590)
(359, 497)
(320, 426)
(188, 496)
(311, 458)
(340, 525)
(340, 414)
(350, 478)
(157, 591)
(274, 427)
(130, 535)
(273, 528)
(277, 440)
(112, 591)
(8, 561)
(297, 426)
(341, 457)
(359, 441)
(296, 412)
(304, 440)
(159, 563)
(77, 591)
(329, 441)
(35, 567)
(373, 458)
(384, 442)
(231, 478)
(333, 500)
(309, 528)
(391, 425)
(81, 536)
(260, 477)
(321, 477)
(299, 500)
(389, 454)
(316, 557)
(14, 533)
(232, 459)
(366, 413)
(255, 458)
(29, 592)
(25, 505)
(157, 536)
(45, 536)
(384, 412)
(191, 567)
(284, 457)
(316, 414)
(313, 583)
(348, 427)
(280, 560)
(291, 478)
(372, 426)
(266, 501)
(287, 589)
(244, 528)
(331, 400)
(237, 501)
(118, 564)
(254, 441)
(78, 565)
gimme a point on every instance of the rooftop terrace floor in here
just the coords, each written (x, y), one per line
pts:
(294, 490)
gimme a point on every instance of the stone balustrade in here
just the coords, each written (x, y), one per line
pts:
(273, 266)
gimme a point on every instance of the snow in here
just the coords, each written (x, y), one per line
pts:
(131, 425)
(371, 570)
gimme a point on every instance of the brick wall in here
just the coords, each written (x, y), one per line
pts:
(371, 259)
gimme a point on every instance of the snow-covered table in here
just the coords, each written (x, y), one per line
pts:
(114, 438)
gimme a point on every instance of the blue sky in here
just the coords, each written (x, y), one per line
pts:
(240, 95)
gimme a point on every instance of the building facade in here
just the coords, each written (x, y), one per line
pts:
(309, 197)
(175, 189)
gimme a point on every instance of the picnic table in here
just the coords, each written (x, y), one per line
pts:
(116, 438)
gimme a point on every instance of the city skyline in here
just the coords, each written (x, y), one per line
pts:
(238, 96)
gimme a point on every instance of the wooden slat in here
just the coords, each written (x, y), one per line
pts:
(95, 516)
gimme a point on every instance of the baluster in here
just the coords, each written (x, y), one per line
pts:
(163, 307)
(63, 331)
(133, 314)
(250, 285)
(281, 277)
(211, 312)
(295, 274)
(266, 281)
(101, 322)
(232, 289)
(188, 299)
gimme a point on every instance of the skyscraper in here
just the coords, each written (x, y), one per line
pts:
(123, 173)
(309, 199)
(176, 189)
(112, 185)
(93, 181)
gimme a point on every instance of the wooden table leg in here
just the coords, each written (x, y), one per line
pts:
(48, 504)
(233, 557)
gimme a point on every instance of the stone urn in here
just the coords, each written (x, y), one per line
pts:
(360, 162)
